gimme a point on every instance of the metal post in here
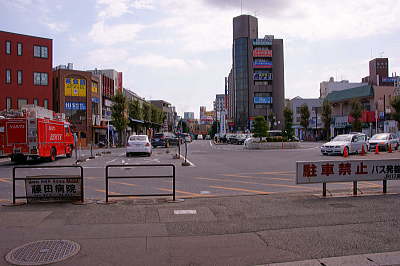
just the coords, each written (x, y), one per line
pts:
(173, 181)
(384, 186)
(106, 184)
(354, 188)
(82, 190)
(13, 185)
(185, 152)
(323, 189)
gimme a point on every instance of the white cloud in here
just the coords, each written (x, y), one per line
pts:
(117, 8)
(159, 61)
(57, 26)
(107, 57)
(109, 35)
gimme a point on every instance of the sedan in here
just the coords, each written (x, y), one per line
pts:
(353, 143)
(138, 144)
(383, 140)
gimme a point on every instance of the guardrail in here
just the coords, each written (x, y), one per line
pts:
(54, 177)
(347, 171)
(132, 177)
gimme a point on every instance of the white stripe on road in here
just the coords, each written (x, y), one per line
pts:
(191, 164)
(113, 160)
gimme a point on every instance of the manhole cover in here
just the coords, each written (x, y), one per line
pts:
(341, 205)
(43, 252)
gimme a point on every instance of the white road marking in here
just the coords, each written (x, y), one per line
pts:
(204, 192)
(191, 164)
(185, 212)
(210, 143)
(113, 160)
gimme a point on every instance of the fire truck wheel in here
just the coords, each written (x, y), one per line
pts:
(69, 154)
(53, 154)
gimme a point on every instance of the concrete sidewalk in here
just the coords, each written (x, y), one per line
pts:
(244, 230)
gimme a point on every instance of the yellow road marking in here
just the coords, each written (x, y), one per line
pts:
(276, 173)
(5, 180)
(371, 184)
(114, 193)
(283, 179)
(123, 183)
(242, 189)
(4, 200)
(182, 192)
(254, 183)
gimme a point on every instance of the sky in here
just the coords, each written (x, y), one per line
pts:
(181, 50)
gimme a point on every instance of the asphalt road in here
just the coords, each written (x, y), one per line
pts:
(216, 170)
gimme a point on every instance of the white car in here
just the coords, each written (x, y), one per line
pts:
(353, 143)
(138, 144)
(199, 137)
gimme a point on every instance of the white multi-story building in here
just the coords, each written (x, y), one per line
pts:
(315, 124)
(326, 87)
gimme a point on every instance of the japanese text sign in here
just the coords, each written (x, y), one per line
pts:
(53, 188)
(347, 171)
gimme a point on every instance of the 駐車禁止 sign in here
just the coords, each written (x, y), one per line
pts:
(347, 170)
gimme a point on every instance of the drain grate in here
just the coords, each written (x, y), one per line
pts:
(43, 252)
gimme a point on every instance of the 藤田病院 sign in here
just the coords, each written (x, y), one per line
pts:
(53, 188)
(347, 170)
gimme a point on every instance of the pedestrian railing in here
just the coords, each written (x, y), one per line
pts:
(50, 187)
(108, 177)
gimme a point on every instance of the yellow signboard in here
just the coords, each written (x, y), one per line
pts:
(82, 87)
(68, 87)
(75, 87)
(94, 87)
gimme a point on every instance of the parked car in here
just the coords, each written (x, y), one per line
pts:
(199, 137)
(187, 137)
(352, 142)
(208, 137)
(383, 140)
(240, 138)
(138, 144)
(164, 139)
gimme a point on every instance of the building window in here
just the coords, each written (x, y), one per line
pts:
(22, 102)
(8, 47)
(19, 49)
(40, 78)
(46, 103)
(8, 76)
(40, 51)
(36, 102)
(19, 77)
(8, 103)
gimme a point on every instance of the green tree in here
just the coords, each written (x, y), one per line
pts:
(356, 113)
(395, 103)
(260, 127)
(327, 117)
(288, 131)
(118, 116)
(146, 112)
(304, 117)
(135, 111)
(183, 125)
(214, 129)
(271, 119)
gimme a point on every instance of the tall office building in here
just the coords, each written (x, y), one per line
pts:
(258, 74)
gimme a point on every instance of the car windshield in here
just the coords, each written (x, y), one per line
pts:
(380, 136)
(342, 138)
(137, 138)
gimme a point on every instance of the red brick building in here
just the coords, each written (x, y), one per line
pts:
(25, 70)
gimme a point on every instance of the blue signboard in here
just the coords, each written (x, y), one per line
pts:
(75, 106)
(390, 79)
(95, 100)
(262, 76)
(263, 100)
(262, 42)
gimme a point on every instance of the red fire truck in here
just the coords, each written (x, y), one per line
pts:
(34, 132)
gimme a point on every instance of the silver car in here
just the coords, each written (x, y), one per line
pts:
(383, 140)
(352, 142)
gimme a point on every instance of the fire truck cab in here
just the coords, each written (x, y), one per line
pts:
(34, 132)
